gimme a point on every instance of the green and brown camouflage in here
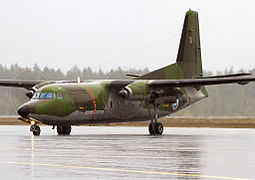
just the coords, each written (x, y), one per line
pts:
(88, 102)
(156, 94)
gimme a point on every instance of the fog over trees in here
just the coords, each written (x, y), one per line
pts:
(223, 100)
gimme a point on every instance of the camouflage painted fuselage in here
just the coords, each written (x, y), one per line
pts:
(93, 102)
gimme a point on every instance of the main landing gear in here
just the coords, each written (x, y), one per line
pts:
(155, 127)
(35, 129)
(64, 129)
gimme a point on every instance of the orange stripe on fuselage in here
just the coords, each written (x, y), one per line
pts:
(94, 101)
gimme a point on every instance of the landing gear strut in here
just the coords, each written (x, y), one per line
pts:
(35, 129)
(155, 127)
(64, 129)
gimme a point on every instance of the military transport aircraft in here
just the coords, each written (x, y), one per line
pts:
(150, 96)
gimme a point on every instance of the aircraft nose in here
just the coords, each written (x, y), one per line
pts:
(24, 111)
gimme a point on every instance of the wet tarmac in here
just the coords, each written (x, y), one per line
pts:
(127, 153)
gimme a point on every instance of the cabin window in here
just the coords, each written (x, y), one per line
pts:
(59, 96)
(36, 95)
(46, 95)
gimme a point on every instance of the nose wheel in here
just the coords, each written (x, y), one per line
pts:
(155, 127)
(35, 129)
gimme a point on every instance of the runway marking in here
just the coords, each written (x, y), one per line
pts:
(128, 170)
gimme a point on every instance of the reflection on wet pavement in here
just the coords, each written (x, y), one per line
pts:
(127, 152)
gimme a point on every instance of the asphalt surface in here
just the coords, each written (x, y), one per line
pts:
(127, 153)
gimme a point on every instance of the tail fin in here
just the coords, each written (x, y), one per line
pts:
(188, 63)
(189, 54)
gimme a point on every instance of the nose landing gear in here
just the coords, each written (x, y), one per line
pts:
(35, 129)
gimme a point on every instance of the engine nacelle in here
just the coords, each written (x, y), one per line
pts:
(126, 93)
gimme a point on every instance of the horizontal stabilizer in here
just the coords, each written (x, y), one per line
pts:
(133, 75)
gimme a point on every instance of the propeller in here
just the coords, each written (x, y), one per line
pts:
(19, 95)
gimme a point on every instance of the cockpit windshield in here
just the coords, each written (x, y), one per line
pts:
(47, 95)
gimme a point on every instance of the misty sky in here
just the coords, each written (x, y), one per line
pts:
(64, 33)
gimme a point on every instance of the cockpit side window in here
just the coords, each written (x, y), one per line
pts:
(59, 95)
(46, 95)
(36, 95)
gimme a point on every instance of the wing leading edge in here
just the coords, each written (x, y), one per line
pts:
(30, 84)
(19, 83)
(201, 82)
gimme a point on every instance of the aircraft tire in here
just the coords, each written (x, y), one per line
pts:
(64, 130)
(60, 130)
(68, 129)
(151, 130)
(159, 128)
(36, 130)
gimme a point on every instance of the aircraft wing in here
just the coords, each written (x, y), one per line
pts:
(227, 75)
(19, 83)
(200, 82)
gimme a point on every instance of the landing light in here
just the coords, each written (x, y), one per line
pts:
(32, 123)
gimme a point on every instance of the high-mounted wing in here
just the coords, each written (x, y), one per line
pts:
(201, 82)
(150, 90)
(225, 76)
(19, 83)
(29, 84)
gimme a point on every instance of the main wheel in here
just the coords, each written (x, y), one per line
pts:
(60, 129)
(64, 129)
(68, 129)
(151, 129)
(156, 128)
(36, 130)
(159, 128)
